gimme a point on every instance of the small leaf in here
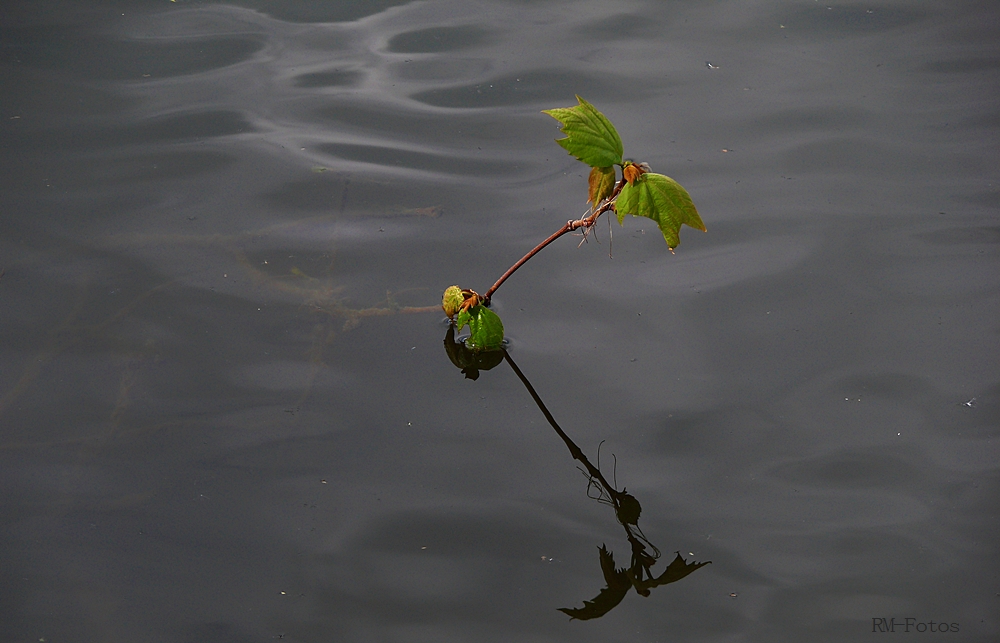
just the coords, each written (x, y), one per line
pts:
(485, 327)
(590, 137)
(663, 200)
(463, 318)
(602, 184)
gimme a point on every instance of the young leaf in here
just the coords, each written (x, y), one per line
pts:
(485, 327)
(663, 200)
(602, 184)
(590, 137)
(632, 171)
(464, 317)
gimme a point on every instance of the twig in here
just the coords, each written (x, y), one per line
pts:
(586, 222)
(574, 450)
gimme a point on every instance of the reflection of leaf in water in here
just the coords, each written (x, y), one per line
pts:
(617, 586)
(619, 581)
(676, 570)
(638, 574)
(470, 361)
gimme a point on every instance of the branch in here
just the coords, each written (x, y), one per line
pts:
(569, 226)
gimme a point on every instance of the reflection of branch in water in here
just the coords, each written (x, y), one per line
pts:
(55, 344)
(638, 574)
(317, 294)
(84, 446)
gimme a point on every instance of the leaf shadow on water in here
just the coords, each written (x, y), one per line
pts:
(638, 574)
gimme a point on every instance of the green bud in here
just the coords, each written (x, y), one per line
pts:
(452, 300)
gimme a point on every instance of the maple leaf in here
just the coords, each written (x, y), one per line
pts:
(663, 200)
(590, 136)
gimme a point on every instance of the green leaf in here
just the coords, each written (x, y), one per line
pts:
(590, 137)
(601, 183)
(485, 327)
(462, 320)
(663, 200)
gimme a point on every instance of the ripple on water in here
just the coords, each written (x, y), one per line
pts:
(331, 78)
(313, 11)
(404, 124)
(521, 88)
(439, 39)
(421, 161)
(103, 57)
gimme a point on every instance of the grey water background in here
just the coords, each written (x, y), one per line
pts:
(202, 440)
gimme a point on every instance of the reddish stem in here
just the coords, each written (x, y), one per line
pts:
(569, 226)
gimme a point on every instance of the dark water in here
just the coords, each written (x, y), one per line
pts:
(222, 420)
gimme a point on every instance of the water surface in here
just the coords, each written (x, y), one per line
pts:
(225, 409)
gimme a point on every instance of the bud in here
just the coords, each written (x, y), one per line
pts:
(452, 300)
(632, 171)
